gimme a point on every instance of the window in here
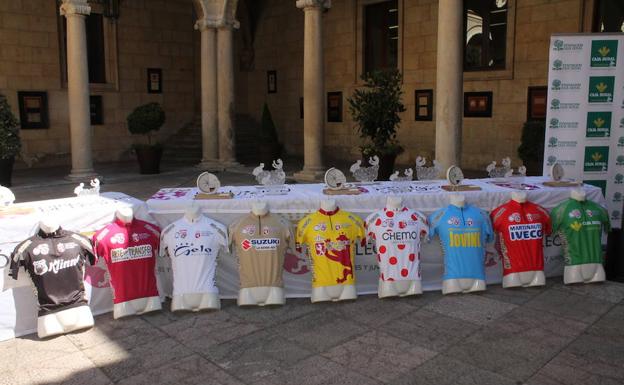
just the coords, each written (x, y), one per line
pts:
(485, 34)
(381, 35)
(94, 26)
(608, 16)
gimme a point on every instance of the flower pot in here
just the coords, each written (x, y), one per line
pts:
(149, 159)
(6, 171)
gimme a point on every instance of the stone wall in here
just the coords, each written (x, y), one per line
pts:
(279, 46)
(150, 33)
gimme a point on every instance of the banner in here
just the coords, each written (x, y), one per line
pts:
(585, 118)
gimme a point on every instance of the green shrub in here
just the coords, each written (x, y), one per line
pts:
(268, 132)
(532, 142)
(146, 119)
(10, 143)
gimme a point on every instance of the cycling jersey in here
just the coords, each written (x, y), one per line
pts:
(193, 247)
(463, 233)
(260, 243)
(129, 250)
(580, 225)
(397, 235)
(520, 229)
(330, 238)
(55, 263)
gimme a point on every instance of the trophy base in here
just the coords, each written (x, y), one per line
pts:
(342, 191)
(461, 187)
(204, 196)
(561, 183)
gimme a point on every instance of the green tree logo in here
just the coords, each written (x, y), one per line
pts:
(557, 64)
(615, 214)
(554, 123)
(619, 160)
(552, 142)
(551, 160)
(622, 123)
(556, 84)
(554, 104)
(619, 179)
(621, 141)
(558, 45)
(617, 197)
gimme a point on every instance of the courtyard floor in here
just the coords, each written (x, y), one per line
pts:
(551, 335)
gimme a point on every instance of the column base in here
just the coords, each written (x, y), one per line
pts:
(83, 175)
(230, 164)
(310, 175)
(210, 165)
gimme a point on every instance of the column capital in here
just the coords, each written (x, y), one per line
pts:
(75, 7)
(323, 4)
(216, 14)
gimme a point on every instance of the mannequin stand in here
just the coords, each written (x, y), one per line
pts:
(65, 321)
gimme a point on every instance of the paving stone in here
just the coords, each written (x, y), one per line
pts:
(318, 370)
(28, 351)
(320, 331)
(597, 355)
(477, 309)
(190, 370)
(74, 368)
(204, 330)
(127, 331)
(429, 329)
(443, 370)
(270, 316)
(516, 296)
(605, 291)
(523, 320)
(256, 355)
(166, 316)
(558, 373)
(373, 312)
(565, 303)
(379, 355)
(610, 326)
(118, 362)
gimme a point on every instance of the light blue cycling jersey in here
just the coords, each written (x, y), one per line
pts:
(463, 234)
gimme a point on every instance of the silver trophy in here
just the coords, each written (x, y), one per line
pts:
(504, 170)
(365, 174)
(275, 177)
(407, 176)
(427, 173)
(94, 191)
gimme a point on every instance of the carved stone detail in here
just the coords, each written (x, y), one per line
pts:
(75, 7)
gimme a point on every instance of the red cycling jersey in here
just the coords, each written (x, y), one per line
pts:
(520, 228)
(129, 250)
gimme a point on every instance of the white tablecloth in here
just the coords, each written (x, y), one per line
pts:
(18, 304)
(297, 200)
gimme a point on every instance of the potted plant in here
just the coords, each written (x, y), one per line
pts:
(144, 120)
(531, 149)
(375, 109)
(269, 148)
(10, 143)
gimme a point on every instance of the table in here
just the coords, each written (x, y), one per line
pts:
(18, 305)
(295, 201)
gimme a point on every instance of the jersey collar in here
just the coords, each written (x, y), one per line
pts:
(329, 213)
(120, 223)
(57, 234)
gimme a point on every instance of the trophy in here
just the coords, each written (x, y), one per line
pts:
(557, 173)
(94, 191)
(408, 174)
(209, 185)
(336, 183)
(365, 174)
(275, 177)
(455, 176)
(427, 173)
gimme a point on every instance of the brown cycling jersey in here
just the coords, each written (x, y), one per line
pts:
(260, 243)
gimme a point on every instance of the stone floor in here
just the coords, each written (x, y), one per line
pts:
(551, 335)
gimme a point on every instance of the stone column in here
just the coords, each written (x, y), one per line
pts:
(449, 83)
(313, 89)
(225, 87)
(78, 88)
(209, 107)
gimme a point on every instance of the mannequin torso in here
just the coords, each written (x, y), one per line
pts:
(525, 278)
(332, 292)
(393, 288)
(461, 285)
(195, 301)
(588, 272)
(261, 295)
(64, 321)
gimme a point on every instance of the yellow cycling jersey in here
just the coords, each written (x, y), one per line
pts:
(330, 239)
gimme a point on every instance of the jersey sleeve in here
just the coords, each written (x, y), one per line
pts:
(546, 221)
(606, 222)
(488, 231)
(434, 222)
(302, 230)
(369, 225)
(18, 258)
(99, 243)
(556, 217)
(496, 217)
(164, 236)
(87, 247)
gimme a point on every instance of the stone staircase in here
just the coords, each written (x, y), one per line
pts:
(184, 147)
